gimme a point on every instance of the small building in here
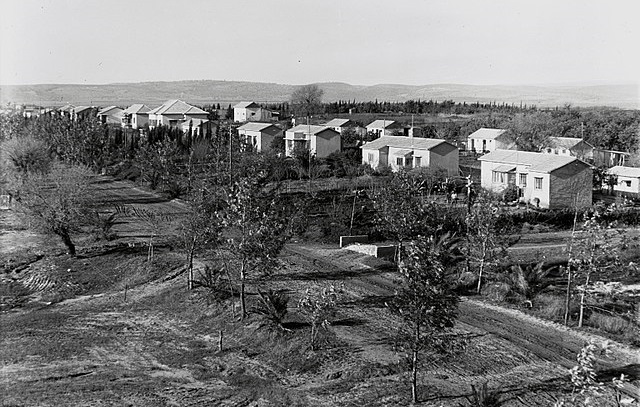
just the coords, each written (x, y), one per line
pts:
(411, 152)
(251, 112)
(173, 113)
(82, 112)
(545, 180)
(485, 140)
(340, 124)
(609, 158)
(569, 146)
(259, 135)
(383, 127)
(628, 182)
(110, 115)
(135, 116)
(319, 140)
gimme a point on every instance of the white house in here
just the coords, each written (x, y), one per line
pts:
(386, 128)
(569, 146)
(340, 124)
(173, 113)
(110, 115)
(550, 181)
(628, 180)
(486, 140)
(251, 112)
(320, 140)
(135, 116)
(259, 135)
(399, 151)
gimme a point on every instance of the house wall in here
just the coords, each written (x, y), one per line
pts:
(528, 191)
(325, 143)
(139, 120)
(444, 156)
(246, 114)
(500, 142)
(622, 187)
(374, 161)
(567, 183)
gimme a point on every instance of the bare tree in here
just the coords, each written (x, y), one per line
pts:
(57, 202)
(306, 100)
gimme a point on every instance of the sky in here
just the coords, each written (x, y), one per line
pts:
(361, 42)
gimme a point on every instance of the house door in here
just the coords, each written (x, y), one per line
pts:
(511, 178)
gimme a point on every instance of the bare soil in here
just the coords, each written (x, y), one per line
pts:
(111, 328)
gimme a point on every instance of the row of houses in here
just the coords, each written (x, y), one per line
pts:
(486, 140)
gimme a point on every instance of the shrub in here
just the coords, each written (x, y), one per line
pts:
(498, 291)
(272, 305)
(550, 307)
(609, 323)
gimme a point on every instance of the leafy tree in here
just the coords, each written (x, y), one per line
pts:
(401, 210)
(306, 100)
(57, 202)
(25, 154)
(595, 249)
(485, 247)
(259, 228)
(426, 303)
(201, 229)
(317, 307)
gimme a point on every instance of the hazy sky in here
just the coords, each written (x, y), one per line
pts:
(299, 41)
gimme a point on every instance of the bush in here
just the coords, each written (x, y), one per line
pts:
(609, 323)
(272, 306)
(550, 307)
(498, 291)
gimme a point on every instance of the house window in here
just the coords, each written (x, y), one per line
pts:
(523, 180)
(564, 151)
(408, 161)
(370, 157)
(626, 183)
(549, 150)
(499, 177)
(537, 183)
(418, 161)
(399, 161)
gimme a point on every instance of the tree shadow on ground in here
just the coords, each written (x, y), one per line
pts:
(336, 274)
(371, 301)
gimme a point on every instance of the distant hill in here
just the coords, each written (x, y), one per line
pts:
(225, 92)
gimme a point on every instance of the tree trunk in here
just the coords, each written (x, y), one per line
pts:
(567, 301)
(582, 298)
(481, 268)
(66, 239)
(190, 268)
(414, 376)
(243, 306)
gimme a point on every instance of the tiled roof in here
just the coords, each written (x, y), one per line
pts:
(537, 162)
(110, 110)
(379, 124)
(243, 105)
(564, 142)
(255, 126)
(137, 108)
(403, 142)
(80, 109)
(631, 172)
(485, 133)
(337, 122)
(309, 129)
(176, 106)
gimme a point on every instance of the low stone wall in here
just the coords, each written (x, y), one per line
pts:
(383, 252)
(347, 240)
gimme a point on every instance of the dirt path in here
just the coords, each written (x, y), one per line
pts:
(546, 340)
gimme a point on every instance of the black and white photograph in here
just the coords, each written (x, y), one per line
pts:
(320, 203)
